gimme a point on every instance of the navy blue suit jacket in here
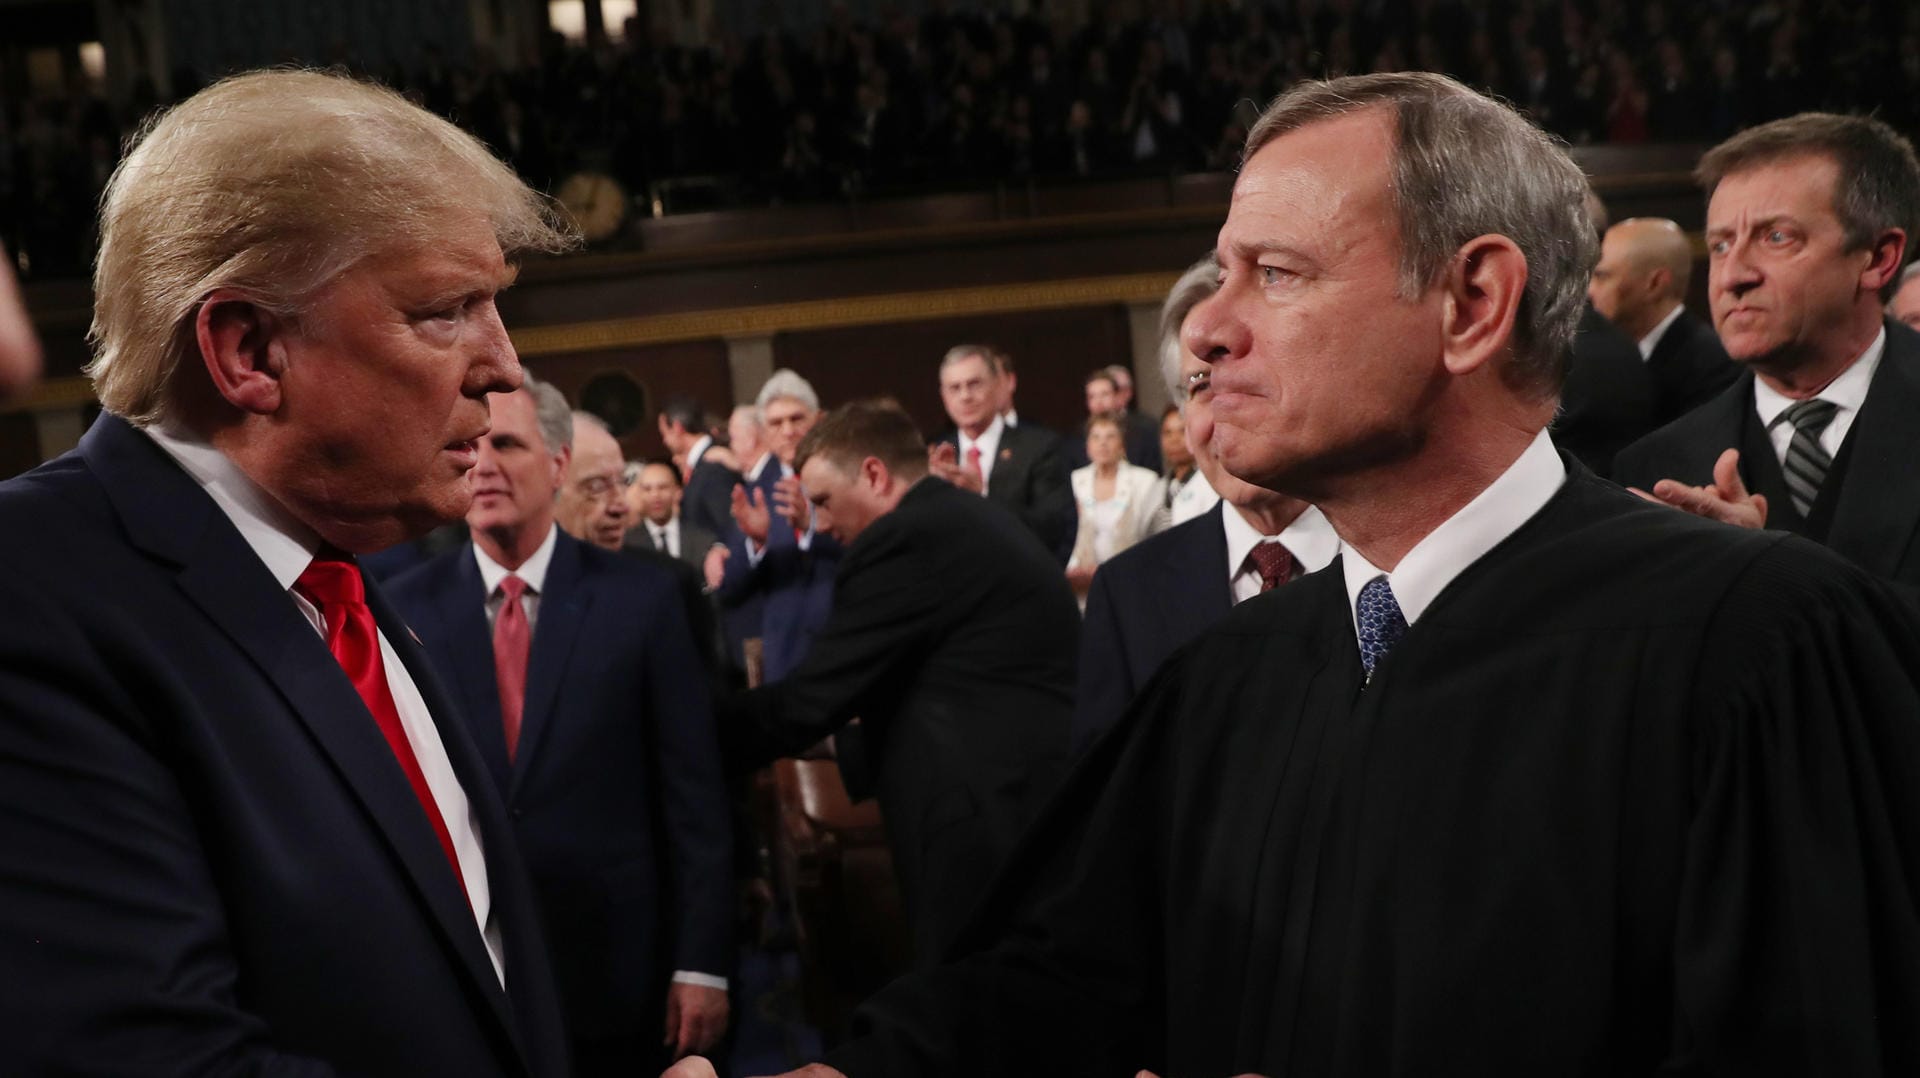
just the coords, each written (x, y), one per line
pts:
(615, 790)
(1145, 604)
(742, 609)
(791, 588)
(210, 861)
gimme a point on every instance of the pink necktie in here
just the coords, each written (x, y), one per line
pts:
(973, 465)
(334, 585)
(511, 639)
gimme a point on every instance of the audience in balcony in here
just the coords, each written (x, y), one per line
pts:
(851, 107)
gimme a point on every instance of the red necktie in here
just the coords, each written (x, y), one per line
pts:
(1273, 563)
(333, 584)
(511, 638)
(973, 465)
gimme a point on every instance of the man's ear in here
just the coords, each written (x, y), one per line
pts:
(244, 350)
(1886, 254)
(1483, 286)
(875, 473)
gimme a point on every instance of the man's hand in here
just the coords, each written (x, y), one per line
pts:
(1080, 578)
(751, 515)
(695, 1067)
(715, 567)
(791, 503)
(943, 461)
(696, 1018)
(1726, 501)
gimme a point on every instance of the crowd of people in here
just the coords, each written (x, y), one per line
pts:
(849, 107)
(1337, 718)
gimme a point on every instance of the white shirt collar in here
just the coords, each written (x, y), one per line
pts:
(988, 441)
(753, 473)
(697, 450)
(1011, 416)
(1463, 538)
(282, 542)
(1310, 539)
(1652, 340)
(533, 571)
(1849, 391)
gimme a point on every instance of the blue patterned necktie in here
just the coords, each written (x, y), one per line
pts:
(1807, 461)
(1380, 622)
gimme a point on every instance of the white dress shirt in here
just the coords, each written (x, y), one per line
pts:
(1847, 392)
(989, 445)
(287, 547)
(1195, 497)
(1310, 539)
(1652, 340)
(752, 475)
(1480, 525)
(533, 572)
(666, 537)
(697, 450)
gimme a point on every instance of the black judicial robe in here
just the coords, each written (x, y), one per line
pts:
(1637, 794)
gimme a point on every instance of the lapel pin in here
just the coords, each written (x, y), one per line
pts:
(1006, 454)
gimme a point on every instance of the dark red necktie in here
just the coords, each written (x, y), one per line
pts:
(1273, 563)
(511, 639)
(333, 584)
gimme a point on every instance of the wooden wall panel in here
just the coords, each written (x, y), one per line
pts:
(1052, 350)
(698, 368)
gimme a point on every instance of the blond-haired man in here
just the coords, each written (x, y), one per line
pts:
(241, 828)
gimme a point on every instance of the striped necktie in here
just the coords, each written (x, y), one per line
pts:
(1807, 460)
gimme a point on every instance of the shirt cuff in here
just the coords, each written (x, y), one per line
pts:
(755, 552)
(704, 980)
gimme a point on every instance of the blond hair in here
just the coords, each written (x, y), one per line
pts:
(272, 184)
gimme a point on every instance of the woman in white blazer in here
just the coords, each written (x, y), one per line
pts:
(1120, 503)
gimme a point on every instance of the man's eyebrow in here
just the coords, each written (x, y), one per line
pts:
(1254, 248)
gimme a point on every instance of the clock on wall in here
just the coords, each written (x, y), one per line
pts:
(596, 202)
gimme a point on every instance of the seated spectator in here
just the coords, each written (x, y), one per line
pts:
(1119, 503)
(1906, 301)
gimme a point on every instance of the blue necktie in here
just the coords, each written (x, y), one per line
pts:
(1380, 621)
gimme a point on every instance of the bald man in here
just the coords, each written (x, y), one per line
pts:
(1640, 285)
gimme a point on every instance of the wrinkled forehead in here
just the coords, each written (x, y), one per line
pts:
(1800, 185)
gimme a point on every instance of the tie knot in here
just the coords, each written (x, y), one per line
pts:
(1273, 562)
(332, 580)
(512, 587)
(1379, 620)
(1811, 416)
(973, 454)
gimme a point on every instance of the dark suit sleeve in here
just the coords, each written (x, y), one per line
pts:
(113, 943)
(1106, 681)
(886, 608)
(694, 798)
(1050, 511)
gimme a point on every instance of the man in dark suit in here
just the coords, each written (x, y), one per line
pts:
(1019, 467)
(779, 567)
(242, 829)
(661, 527)
(572, 664)
(1151, 599)
(709, 482)
(1640, 285)
(1808, 222)
(1142, 433)
(952, 640)
(1607, 401)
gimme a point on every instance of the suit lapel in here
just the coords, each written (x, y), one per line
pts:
(1879, 504)
(169, 516)
(563, 607)
(465, 645)
(1195, 591)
